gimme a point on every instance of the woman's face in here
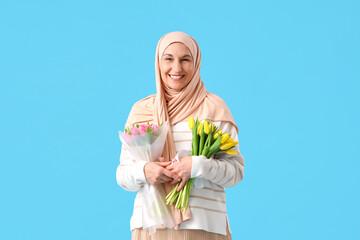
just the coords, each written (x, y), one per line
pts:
(176, 66)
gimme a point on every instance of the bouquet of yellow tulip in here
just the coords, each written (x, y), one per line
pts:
(207, 140)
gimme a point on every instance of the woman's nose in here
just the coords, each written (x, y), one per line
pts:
(177, 66)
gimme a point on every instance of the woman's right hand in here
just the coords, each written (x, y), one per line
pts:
(156, 172)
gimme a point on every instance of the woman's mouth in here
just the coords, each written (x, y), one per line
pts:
(176, 77)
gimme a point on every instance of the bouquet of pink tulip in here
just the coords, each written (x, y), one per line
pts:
(207, 140)
(149, 130)
(145, 143)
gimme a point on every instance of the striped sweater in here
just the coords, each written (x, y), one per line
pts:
(207, 200)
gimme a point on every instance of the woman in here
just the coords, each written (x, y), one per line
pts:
(181, 94)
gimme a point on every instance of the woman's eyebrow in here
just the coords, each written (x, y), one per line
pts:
(187, 55)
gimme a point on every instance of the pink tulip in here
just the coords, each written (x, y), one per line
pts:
(142, 129)
(134, 131)
(155, 128)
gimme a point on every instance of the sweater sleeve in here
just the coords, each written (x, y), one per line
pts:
(222, 169)
(130, 173)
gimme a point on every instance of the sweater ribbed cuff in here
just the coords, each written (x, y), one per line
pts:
(200, 166)
(139, 171)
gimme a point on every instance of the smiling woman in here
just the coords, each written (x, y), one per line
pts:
(180, 94)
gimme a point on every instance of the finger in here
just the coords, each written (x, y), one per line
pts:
(171, 174)
(174, 181)
(181, 185)
(163, 164)
(165, 178)
(161, 159)
(170, 167)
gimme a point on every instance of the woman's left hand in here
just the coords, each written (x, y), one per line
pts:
(182, 169)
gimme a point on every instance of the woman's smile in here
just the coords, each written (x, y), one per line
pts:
(176, 77)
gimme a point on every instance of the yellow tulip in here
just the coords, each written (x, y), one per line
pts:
(217, 133)
(227, 146)
(229, 140)
(206, 127)
(224, 138)
(191, 122)
(231, 152)
(212, 127)
(200, 127)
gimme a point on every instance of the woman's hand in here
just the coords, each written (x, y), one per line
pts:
(181, 169)
(156, 172)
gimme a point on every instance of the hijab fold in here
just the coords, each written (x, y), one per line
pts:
(176, 106)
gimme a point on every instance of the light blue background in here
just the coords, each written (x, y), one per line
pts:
(71, 70)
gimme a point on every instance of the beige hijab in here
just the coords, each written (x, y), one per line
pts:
(167, 104)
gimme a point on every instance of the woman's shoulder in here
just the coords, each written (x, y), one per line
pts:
(215, 97)
(217, 104)
(146, 102)
(218, 109)
(216, 101)
(141, 110)
(143, 105)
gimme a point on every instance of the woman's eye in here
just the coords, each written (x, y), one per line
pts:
(167, 58)
(186, 59)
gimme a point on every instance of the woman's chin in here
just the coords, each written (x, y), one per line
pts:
(176, 85)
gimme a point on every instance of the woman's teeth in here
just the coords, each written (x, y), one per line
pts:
(176, 77)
